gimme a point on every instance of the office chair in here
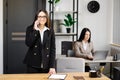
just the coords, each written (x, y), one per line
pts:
(70, 53)
(70, 64)
(65, 46)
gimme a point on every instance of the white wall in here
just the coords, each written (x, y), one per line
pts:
(99, 23)
(1, 36)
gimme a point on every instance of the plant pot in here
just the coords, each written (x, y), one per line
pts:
(68, 30)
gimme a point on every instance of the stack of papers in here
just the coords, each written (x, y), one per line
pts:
(57, 77)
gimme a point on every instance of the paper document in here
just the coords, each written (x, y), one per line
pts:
(57, 76)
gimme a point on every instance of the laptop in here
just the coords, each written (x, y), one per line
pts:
(100, 55)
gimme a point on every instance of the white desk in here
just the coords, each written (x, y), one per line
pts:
(109, 59)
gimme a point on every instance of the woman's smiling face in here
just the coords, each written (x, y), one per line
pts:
(42, 18)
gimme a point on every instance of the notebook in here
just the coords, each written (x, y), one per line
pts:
(100, 55)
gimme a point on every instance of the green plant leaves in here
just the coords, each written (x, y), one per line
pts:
(68, 21)
(55, 1)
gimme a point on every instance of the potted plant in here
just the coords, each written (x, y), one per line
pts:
(68, 22)
(56, 8)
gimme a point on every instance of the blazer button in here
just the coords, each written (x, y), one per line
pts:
(35, 54)
(47, 55)
(35, 46)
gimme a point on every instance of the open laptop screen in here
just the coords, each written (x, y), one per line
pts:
(100, 55)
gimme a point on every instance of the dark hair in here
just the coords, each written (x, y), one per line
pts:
(47, 24)
(82, 35)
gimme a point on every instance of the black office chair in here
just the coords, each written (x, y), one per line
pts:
(65, 46)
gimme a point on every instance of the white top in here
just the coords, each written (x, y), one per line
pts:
(84, 45)
(42, 33)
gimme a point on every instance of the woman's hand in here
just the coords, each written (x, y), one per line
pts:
(36, 24)
(52, 71)
(90, 57)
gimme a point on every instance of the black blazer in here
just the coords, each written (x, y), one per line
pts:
(39, 52)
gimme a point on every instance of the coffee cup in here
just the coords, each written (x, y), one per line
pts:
(92, 73)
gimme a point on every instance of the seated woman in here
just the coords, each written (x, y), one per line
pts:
(84, 47)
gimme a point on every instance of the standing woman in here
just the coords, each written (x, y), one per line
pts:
(40, 39)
